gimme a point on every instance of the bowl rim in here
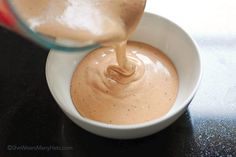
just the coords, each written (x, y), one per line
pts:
(138, 125)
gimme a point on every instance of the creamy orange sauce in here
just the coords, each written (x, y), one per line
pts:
(118, 83)
(147, 94)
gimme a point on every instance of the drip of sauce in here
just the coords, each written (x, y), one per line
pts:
(108, 22)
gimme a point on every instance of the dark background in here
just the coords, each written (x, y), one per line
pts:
(29, 116)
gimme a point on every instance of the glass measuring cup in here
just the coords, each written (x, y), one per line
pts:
(11, 19)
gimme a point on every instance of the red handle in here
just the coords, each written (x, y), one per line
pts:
(6, 18)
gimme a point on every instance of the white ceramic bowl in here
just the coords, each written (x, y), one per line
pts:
(156, 31)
